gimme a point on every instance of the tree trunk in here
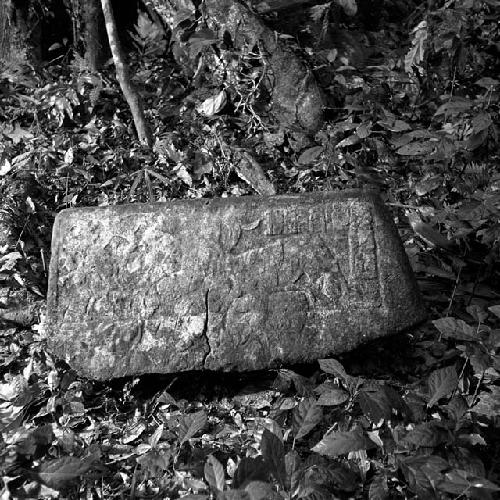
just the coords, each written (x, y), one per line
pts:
(96, 47)
(15, 32)
(123, 76)
(5, 30)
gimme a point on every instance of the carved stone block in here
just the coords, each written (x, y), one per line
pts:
(221, 284)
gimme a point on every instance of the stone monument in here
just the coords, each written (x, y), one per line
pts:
(225, 284)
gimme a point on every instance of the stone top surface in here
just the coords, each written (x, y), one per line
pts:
(236, 283)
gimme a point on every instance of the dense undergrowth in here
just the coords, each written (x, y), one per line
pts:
(415, 416)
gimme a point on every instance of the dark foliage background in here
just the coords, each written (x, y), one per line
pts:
(412, 105)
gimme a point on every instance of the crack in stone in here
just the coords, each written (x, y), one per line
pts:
(205, 329)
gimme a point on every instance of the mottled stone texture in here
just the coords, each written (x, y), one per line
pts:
(240, 283)
(296, 98)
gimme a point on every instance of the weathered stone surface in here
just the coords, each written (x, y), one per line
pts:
(240, 283)
(296, 99)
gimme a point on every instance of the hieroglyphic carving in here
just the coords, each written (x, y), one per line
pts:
(223, 283)
(364, 277)
(286, 248)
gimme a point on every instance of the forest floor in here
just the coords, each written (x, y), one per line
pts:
(411, 416)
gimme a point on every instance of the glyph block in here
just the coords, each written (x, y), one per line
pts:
(237, 283)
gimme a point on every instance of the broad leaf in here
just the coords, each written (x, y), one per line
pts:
(427, 232)
(250, 469)
(343, 477)
(302, 385)
(415, 56)
(204, 37)
(454, 106)
(441, 383)
(396, 401)
(155, 462)
(6, 167)
(191, 424)
(460, 482)
(184, 10)
(230, 495)
(400, 126)
(16, 133)
(487, 82)
(378, 488)
(417, 148)
(273, 452)
(495, 310)
(422, 473)
(292, 467)
(350, 6)
(133, 431)
(489, 402)
(306, 416)
(348, 141)
(482, 121)
(43, 435)
(427, 185)
(211, 106)
(334, 444)
(214, 473)
(310, 155)
(457, 329)
(364, 130)
(333, 367)
(375, 404)
(457, 407)
(381, 403)
(427, 434)
(60, 472)
(258, 490)
(155, 438)
(333, 397)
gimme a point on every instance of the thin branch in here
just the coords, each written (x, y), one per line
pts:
(123, 76)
